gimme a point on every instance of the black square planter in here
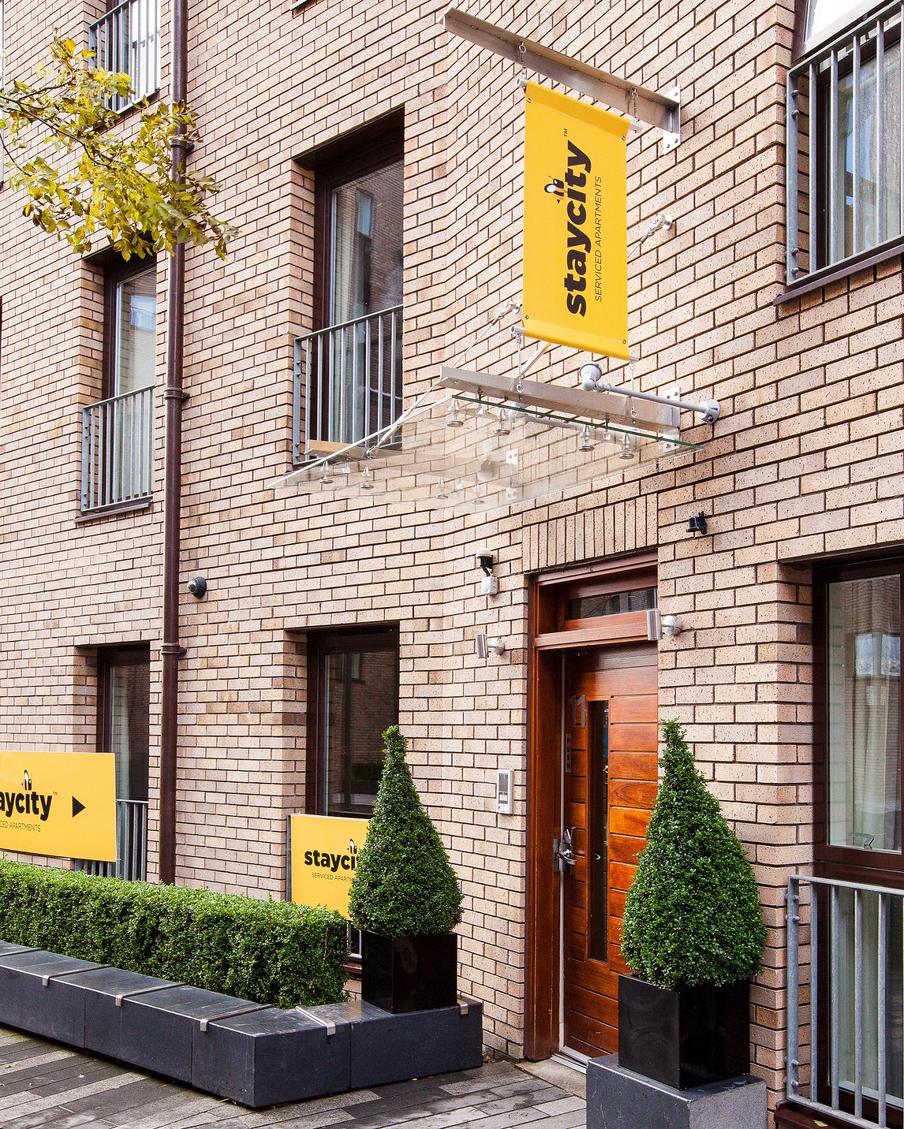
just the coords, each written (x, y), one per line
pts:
(156, 1029)
(44, 1009)
(98, 990)
(685, 1038)
(409, 973)
(266, 1057)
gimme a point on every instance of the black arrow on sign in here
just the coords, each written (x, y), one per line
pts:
(76, 807)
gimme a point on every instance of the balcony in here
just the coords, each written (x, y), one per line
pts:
(126, 40)
(845, 981)
(117, 450)
(347, 383)
(131, 845)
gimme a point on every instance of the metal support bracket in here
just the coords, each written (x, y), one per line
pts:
(204, 1023)
(45, 980)
(463, 1007)
(327, 1023)
(661, 110)
(120, 996)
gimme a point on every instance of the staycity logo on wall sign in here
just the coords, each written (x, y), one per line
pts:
(323, 855)
(575, 224)
(60, 804)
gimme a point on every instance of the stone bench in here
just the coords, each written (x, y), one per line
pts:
(254, 1054)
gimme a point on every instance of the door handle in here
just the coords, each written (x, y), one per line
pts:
(563, 850)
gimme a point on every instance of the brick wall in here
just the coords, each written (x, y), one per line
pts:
(806, 459)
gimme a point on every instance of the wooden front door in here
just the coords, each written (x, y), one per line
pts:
(609, 768)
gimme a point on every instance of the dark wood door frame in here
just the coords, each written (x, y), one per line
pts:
(548, 642)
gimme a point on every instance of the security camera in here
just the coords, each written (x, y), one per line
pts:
(198, 587)
(671, 626)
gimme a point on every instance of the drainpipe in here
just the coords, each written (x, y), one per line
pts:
(171, 649)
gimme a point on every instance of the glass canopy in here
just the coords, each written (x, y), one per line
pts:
(458, 449)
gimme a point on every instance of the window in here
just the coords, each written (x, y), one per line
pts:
(349, 370)
(123, 728)
(117, 432)
(355, 697)
(845, 202)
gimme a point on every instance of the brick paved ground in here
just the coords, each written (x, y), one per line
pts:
(45, 1084)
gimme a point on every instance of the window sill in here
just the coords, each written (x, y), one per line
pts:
(139, 505)
(846, 270)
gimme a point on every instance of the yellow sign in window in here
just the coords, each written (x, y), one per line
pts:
(575, 224)
(61, 804)
(323, 856)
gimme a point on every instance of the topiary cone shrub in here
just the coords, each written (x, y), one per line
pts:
(405, 898)
(404, 883)
(692, 915)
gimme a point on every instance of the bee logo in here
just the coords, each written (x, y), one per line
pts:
(352, 847)
(26, 781)
(555, 187)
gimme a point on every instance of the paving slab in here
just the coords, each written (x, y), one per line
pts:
(46, 1086)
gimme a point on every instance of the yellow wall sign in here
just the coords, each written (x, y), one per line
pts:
(61, 804)
(575, 224)
(323, 854)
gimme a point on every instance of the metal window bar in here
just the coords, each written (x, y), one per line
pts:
(117, 449)
(131, 845)
(843, 970)
(347, 381)
(819, 237)
(126, 40)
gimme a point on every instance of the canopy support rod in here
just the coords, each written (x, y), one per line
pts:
(659, 110)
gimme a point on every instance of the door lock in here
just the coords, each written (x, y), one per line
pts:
(563, 850)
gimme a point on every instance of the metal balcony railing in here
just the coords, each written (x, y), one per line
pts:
(347, 383)
(126, 40)
(131, 845)
(845, 148)
(845, 981)
(117, 448)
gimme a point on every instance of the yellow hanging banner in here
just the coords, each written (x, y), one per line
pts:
(575, 224)
(60, 804)
(323, 854)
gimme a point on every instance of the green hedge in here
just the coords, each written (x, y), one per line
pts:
(269, 952)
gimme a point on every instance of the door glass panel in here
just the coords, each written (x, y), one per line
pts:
(128, 686)
(864, 713)
(136, 333)
(611, 603)
(360, 702)
(366, 252)
(365, 358)
(598, 858)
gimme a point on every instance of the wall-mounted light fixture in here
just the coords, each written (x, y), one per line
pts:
(492, 646)
(489, 584)
(671, 625)
(697, 524)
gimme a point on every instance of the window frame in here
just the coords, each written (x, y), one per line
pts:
(380, 638)
(882, 868)
(803, 46)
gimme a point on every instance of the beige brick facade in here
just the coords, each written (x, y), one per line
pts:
(806, 460)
